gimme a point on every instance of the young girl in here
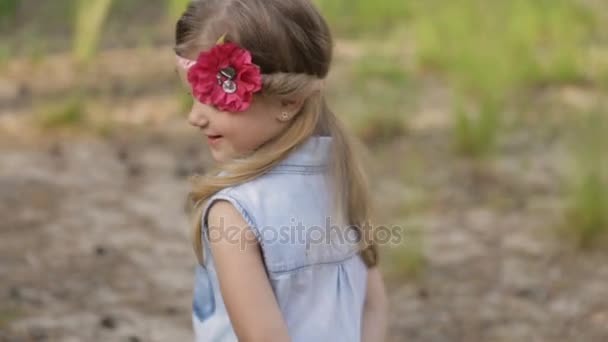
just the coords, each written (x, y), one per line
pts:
(281, 227)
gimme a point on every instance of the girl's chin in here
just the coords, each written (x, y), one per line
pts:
(223, 154)
(219, 156)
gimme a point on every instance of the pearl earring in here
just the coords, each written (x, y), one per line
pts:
(284, 116)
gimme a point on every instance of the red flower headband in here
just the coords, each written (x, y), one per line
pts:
(224, 77)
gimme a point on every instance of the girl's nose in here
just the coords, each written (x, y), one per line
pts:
(197, 118)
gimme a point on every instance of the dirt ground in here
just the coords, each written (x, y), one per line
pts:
(94, 244)
(95, 247)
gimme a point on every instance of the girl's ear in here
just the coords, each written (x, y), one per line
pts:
(292, 105)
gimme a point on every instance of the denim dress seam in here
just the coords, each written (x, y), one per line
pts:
(298, 169)
(296, 269)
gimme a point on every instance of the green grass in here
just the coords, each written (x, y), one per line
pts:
(587, 201)
(381, 67)
(476, 133)
(67, 113)
(497, 47)
(373, 94)
(487, 53)
(406, 259)
(5, 55)
(587, 213)
(8, 9)
(356, 17)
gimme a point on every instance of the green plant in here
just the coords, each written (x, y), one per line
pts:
(68, 113)
(476, 133)
(377, 90)
(8, 9)
(405, 259)
(587, 209)
(5, 55)
(90, 17)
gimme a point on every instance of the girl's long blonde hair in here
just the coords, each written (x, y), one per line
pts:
(292, 44)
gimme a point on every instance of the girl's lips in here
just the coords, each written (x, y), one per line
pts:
(213, 139)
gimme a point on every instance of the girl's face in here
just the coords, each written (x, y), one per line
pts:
(234, 135)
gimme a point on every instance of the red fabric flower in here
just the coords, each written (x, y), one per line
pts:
(225, 77)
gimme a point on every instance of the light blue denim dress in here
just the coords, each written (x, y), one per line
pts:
(317, 275)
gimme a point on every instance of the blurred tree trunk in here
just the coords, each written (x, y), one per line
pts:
(90, 17)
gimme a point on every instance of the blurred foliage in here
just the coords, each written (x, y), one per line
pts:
(8, 10)
(485, 51)
(62, 114)
(381, 67)
(476, 132)
(90, 18)
(491, 48)
(176, 8)
(488, 51)
(5, 55)
(356, 17)
(376, 91)
(406, 259)
(587, 212)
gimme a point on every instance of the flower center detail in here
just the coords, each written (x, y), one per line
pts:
(225, 78)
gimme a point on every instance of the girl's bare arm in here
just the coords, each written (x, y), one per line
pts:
(250, 302)
(375, 312)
